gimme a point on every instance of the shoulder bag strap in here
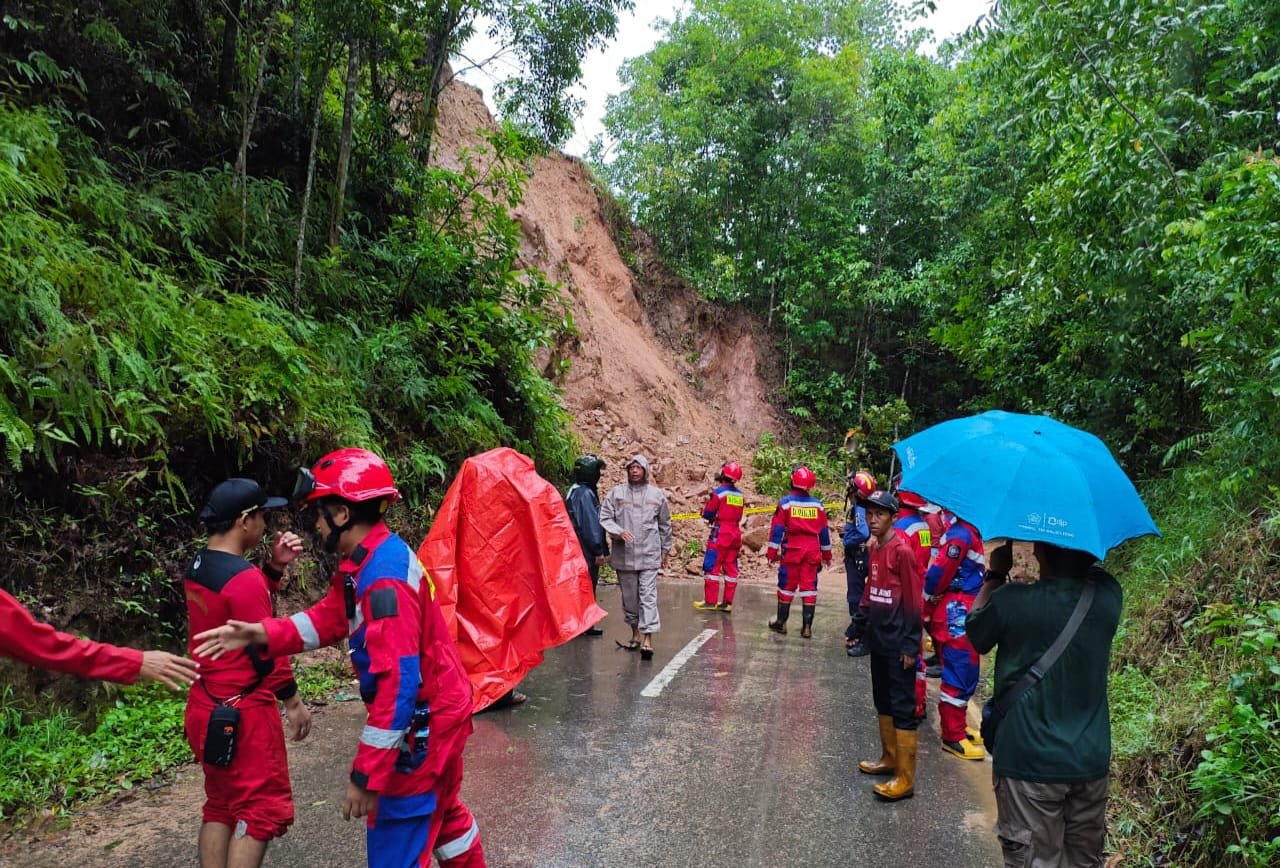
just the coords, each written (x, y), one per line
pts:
(1049, 657)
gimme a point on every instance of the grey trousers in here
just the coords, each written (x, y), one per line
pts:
(640, 599)
(1051, 825)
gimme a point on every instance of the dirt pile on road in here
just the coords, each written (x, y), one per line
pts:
(654, 368)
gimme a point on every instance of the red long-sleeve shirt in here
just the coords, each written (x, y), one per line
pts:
(892, 597)
(24, 638)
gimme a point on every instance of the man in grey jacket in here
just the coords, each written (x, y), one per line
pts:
(636, 515)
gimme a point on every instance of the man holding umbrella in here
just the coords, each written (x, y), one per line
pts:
(1061, 489)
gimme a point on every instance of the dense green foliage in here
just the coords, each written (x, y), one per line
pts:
(173, 313)
(775, 151)
(51, 761)
(1071, 211)
(225, 249)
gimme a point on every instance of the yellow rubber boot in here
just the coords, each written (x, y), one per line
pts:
(902, 784)
(888, 762)
(965, 749)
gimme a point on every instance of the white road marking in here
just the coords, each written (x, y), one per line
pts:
(663, 678)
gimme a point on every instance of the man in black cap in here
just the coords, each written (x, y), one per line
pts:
(249, 800)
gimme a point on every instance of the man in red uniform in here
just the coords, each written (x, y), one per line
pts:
(407, 772)
(800, 539)
(892, 603)
(723, 512)
(248, 799)
(29, 641)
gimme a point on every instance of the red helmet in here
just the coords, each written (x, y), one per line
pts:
(802, 477)
(910, 498)
(731, 471)
(356, 475)
(863, 483)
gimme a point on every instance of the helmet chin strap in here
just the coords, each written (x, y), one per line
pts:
(334, 536)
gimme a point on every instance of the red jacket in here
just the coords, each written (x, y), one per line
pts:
(724, 510)
(892, 597)
(798, 533)
(219, 587)
(24, 638)
(406, 663)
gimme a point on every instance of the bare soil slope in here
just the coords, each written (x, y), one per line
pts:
(654, 368)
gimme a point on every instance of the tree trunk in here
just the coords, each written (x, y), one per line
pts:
(344, 144)
(436, 58)
(248, 118)
(301, 245)
(230, 36)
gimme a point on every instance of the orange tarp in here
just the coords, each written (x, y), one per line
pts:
(508, 572)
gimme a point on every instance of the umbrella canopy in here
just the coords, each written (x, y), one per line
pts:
(1027, 478)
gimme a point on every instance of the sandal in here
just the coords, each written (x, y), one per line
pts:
(633, 645)
(646, 653)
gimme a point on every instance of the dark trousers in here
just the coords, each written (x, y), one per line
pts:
(893, 689)
(855, 573)
(594, 569)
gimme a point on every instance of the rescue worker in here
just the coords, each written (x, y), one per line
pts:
(248, 799)
(636, 514)
(583, 505)
(29, 641)
(950, 586)
(892, 600)
(854, 539)
(407, 770)
(915, 525)
(723, 511)
(799, 541)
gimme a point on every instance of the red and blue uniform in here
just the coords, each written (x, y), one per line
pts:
(952, 582)
(920, 535)
(417, 696)
(724, 511)
(800, 539)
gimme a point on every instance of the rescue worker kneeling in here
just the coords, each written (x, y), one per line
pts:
(891, 600)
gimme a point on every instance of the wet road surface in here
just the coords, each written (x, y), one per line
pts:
(744, 757)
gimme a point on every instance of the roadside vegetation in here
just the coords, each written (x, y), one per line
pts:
(226, 248)
(1070, 210)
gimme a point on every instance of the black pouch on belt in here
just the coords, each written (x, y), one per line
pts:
(220, 738)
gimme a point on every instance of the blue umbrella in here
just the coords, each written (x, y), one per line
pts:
(1027, 478)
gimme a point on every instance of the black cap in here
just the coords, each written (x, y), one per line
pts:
(234, 497)
(881, 499)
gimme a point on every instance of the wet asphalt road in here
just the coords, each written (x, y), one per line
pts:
(746, 758)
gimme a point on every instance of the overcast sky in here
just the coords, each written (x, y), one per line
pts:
(636, 35)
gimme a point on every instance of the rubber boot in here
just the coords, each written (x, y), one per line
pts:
(779, 623)
(806, 621)
(955, 736)
(902, 784)
(730, 588)
(710, 594)
(888, 762)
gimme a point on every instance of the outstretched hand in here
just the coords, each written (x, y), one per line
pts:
(231, 636)
(170, 670)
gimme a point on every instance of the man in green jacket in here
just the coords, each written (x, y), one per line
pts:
(1054, 751)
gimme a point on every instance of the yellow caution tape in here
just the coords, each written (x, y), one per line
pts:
(750, 510)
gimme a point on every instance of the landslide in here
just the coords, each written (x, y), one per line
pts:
(651, 367)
